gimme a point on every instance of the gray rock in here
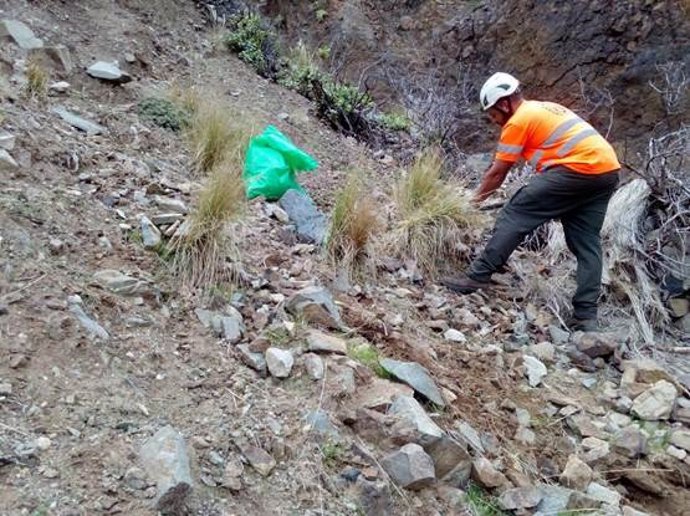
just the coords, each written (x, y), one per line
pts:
(20, 34)
(576, 475)
(314, 305)
(416, 377)
(279, 362)
(166, 219)
(630, 511)
(170, 205)
(581, 361)
(470, 435)
(321, 342)
(410, 467)
(594, 449)
(135, 478)
(150, 234)
(254, 360)
(486, 475)
(314, 366)
(311, 225)
(379, 394)
(454, 336)
(259, 459)
(525, 436)
(5, 388)
(676, 452)
(90, 128)
(59, 87)
(165, 460)
(630, 442)
(232, 327)
(595, 344)
(558, 336)
(535, 370)
(374, 497)
(60, 57)
(554, 500)
(452, 463)
(409, 410)
(7, 161)
(7, 141)
(320, 423)
(108, 72)
(655, 403)
(603, 494)
(520, 498)
(91, 326)
(121, 284)
(681, 439)
(543, 351)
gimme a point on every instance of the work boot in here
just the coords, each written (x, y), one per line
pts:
(463, 284)
(585, 325)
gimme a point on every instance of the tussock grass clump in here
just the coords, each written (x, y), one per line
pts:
(202, 247)
(433, 215)
(36, 80)
(216, 137)
(354, 223)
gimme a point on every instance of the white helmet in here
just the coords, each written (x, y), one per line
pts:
(497, 86)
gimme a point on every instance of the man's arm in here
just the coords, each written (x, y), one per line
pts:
(493, 179)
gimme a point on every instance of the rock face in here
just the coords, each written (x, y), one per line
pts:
(19, 34)
(310, 223)
(165, 460)
(410, 467)
(315, 305)
(656, 402)
(416, 377)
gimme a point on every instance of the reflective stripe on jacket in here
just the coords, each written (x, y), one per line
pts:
(547, 134)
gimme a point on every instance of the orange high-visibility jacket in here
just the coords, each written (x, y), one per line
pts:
(547, 134)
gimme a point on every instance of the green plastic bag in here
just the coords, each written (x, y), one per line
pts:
(271, 164)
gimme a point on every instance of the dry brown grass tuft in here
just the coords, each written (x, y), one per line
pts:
(216, 135)
(433, 216)
(204, 246)
(354, 223)
(36, 80)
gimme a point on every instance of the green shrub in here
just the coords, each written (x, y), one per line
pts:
(300, 71)
(164, 113)
(253, 42)
(394, 121)
(344, 106)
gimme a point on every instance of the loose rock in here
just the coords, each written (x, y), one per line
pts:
(279, 362)
(595, 344)
(455, 336)
(259, 459)
(410, 467)
(484, 473)
(314, 366)
(108, 72)
(603, 494)
(535, 370)
(90, 128)
(121, 284)
(452, 463)
(630, 442)
(20, 34)
(379, 394)
(576, 475)
(311, 225)
(322, 342)
(409, 410)
(6, 160)
(681, 439)
(655, 403)
(150, 234)
(416, 377)
(254, 360)
(314, 305)
(165, 460)
(7, 141)
(520, 498)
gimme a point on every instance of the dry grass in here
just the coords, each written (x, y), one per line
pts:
(37, 80)
(354, 223)
(187, 98)
(216, 136)
(204, 247)
(433, 216)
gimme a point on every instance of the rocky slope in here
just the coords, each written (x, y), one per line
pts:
(120, 393)
(597, 57)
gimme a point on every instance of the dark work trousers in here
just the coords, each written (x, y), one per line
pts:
(580, 202)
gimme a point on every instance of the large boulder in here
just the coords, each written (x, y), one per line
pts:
(410, 467)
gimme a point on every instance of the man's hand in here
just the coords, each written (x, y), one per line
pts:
(493, 179)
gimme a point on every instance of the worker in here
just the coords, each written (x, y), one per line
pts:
(576, 174)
